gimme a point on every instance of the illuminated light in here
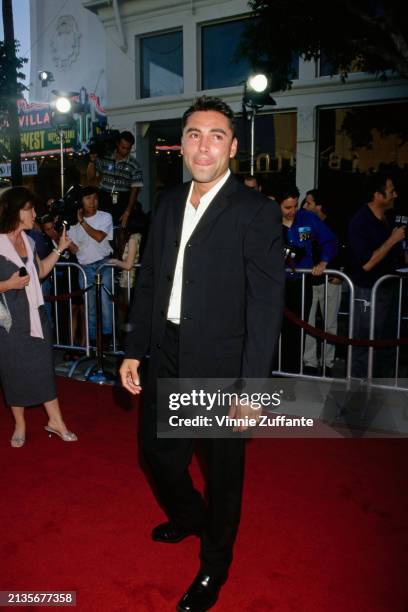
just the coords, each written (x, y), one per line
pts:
(258, 82)
(63, 105)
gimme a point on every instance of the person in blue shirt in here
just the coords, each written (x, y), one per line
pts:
(304, 235)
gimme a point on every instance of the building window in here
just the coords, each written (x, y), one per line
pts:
(357, 141)
(326, 67)
(221, 65)
(161, 64)
(294, 67)
(275, 148)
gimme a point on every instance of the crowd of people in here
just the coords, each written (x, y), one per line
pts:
(208, 302)
(111, 228)
(368, 246)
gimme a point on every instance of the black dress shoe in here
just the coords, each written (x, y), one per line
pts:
(170, 533)
(202, 594)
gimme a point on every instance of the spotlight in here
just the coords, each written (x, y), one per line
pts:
(45, 77)
(62, 112)
(63, 105)
(257, 82)
(257, 93)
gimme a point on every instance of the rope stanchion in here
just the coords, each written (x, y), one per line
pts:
(319, 333)
(66, 296)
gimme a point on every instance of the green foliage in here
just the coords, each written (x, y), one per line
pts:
(363, 35)
(7, 68)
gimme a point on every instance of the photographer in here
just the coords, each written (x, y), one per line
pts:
(301, 229)
(90, 243)
(120, 179)
(72, 311)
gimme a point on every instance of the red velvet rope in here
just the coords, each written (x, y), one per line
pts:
(319, 333)
(313, 331)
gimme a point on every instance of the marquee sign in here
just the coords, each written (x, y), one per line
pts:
(39, 136)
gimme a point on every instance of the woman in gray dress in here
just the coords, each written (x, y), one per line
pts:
(26, 362)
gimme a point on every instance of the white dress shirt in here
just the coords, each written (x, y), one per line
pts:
(191, 218)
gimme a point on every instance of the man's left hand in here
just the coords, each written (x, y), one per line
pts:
(242, 410)
(319, 269)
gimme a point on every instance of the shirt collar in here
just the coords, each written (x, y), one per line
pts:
(210, 195)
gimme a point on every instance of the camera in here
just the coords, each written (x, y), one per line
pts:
(104, 144)
(293, 254)
(65, 209)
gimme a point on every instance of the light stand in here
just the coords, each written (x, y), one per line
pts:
(253, 108)
(61, 117)
(256, 95)
(61, 139)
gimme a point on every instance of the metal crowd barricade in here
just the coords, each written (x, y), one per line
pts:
(328, 272)
(373, 306)
(95, 371)
(69, 266)
(116, 300)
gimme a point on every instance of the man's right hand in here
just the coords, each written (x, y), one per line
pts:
(18, 282)
(398, 234)
(129, 375)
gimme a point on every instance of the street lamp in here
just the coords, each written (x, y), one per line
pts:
(257, 93)
(61, 118)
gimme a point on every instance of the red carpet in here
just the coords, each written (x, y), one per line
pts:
(324, 526)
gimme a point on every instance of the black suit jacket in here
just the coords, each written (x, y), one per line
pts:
(233, 285)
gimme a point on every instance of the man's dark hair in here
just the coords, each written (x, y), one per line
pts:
(375, 183)
(46, 219)
(210, 103)
(11, 202)
(314, 193)
(128, 136)
(283, 192)
(252, 177)
(86, 191)
(319, 198)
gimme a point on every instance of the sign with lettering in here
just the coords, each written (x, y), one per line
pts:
(40, 137)
(29, 168)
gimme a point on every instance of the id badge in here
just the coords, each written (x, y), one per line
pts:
(115, 196)
(305, 233)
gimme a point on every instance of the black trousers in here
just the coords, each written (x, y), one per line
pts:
(386, 321)
(168, 461)
(291, 333)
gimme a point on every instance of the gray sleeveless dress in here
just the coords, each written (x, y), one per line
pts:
(26, 363)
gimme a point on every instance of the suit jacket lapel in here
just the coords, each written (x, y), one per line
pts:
(218, 205)
(178, 205)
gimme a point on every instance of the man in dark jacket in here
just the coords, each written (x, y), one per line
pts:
(208, 304)
(375, 249)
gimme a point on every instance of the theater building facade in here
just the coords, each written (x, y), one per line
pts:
(158, 55)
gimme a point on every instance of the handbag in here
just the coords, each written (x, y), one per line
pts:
(5, 316)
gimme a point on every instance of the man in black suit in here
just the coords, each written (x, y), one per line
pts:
(208, 304)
